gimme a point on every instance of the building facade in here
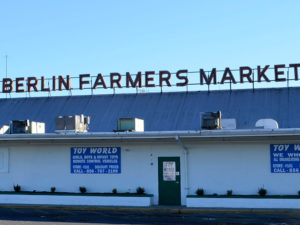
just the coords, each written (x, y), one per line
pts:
(171, 159)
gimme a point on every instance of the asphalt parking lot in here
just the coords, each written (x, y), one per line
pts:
(68, 216)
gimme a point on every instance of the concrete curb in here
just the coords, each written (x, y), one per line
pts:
(157, 209)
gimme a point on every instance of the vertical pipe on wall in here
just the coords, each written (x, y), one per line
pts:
(185, 153)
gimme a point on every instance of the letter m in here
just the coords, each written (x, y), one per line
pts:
(208, 79)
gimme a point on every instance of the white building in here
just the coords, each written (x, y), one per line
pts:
(242, 160)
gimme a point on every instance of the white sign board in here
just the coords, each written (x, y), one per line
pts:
(169, 171)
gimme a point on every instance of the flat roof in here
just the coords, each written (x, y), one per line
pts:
(161, 111)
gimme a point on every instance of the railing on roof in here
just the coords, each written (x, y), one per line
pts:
(227, 79)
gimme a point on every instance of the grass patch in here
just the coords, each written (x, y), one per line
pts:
(75, 194)
(246, 196)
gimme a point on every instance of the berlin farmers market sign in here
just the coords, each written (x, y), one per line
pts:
(150, 79)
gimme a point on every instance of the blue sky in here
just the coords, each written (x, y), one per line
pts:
(45, 38)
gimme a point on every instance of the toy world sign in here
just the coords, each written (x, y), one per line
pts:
(148, 79)
(285, 158)
(96, 160)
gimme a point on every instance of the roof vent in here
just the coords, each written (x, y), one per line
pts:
(130, 124)
(72, 124)
(228, 124)
(210, 120)
(266, 124)
(26, 127)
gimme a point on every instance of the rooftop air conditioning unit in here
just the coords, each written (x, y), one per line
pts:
(130, 124)
(210, 120)
(72, 124)
(4, 129)
(229, 124)
(26, 127)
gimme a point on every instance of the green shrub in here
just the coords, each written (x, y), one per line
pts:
(82, 190)
(114, 191)
(200, 191)
(52, 189)
(229, 192)
(17, 188)
(262, 192)
(140, 191)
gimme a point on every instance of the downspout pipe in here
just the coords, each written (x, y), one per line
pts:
(185, 153)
